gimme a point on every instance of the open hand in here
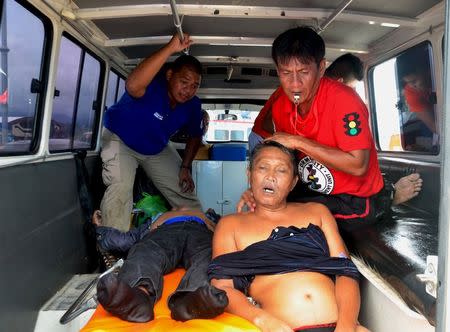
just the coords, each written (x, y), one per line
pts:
(185, 181)
(246, 199)
(288, 140)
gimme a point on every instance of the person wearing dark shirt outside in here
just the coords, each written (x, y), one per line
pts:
(418, 120)
(155, 105)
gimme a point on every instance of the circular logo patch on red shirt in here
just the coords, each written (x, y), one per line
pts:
(315, 175)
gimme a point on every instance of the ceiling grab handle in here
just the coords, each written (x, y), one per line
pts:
(333, 16)
(177, 22)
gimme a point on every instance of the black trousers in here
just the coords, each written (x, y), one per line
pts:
(185, 244)
(351, 212)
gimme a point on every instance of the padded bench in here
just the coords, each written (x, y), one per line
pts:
(397, 249)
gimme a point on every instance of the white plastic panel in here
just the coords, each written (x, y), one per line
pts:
(208, 183)
(234, 184)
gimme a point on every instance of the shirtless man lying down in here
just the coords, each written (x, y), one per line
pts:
(289, 257)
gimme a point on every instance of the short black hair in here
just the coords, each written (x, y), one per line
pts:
(302, 43)
(267, 144)
(187, 61)
(347, 67)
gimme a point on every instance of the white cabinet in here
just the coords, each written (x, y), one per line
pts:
(219, 184)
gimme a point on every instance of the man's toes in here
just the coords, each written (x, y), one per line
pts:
(97, 217)
(413, 177)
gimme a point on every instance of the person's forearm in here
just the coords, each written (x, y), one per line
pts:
(190, 151)
(111, 239)
(239, 305)
(427, 117)
(332, 157)
(348, 301)
(143, 74)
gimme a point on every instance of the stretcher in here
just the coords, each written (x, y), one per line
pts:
(103, 321)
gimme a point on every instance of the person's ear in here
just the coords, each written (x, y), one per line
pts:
(248, 177)
(294, 182)
(340, 79)
(322, 67)
(169, 74)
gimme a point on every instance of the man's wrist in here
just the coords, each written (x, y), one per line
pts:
(186, 167)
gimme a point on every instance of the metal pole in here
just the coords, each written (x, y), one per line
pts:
(177, 22)
(333, 15)
(4, 78)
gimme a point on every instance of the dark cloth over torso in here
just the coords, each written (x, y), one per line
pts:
(288, 249)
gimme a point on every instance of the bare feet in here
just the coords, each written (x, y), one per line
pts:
(97, 218)
(406, 188)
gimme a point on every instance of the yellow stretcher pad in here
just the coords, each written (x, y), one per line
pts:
(103, 321)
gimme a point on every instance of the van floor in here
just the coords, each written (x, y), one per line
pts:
(52, 311)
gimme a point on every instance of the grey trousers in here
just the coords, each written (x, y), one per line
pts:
(119, 170)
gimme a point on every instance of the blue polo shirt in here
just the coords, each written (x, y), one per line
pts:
(145, 124)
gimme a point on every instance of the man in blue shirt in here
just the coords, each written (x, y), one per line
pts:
(156, 104)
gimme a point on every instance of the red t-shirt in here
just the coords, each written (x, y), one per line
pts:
(417, 100)
(259, 121)
(338, 118)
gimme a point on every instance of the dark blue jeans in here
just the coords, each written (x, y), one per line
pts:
(184, 244)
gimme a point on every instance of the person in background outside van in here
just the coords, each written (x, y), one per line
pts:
(418, 120)
(347, 69)
(181, 237)
(137, 130)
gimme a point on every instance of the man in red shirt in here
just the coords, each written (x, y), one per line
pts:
(328, 124)
(347, 69)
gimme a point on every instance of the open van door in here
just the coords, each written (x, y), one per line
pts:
(443, 294)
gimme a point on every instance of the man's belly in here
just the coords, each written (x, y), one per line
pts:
(297, 298)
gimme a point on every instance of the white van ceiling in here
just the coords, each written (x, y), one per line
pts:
(240, 33)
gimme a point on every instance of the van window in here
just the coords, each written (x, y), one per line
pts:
(121, 88)
(238, 135)
(116, 88)
(230, 122)
(405, 102)
(76, 109)
(111, 93)
(221, 135)
(23, 50)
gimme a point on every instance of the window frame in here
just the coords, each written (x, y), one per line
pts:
(99, 96)
(371, 93)
(116, 88)
(43, 78)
